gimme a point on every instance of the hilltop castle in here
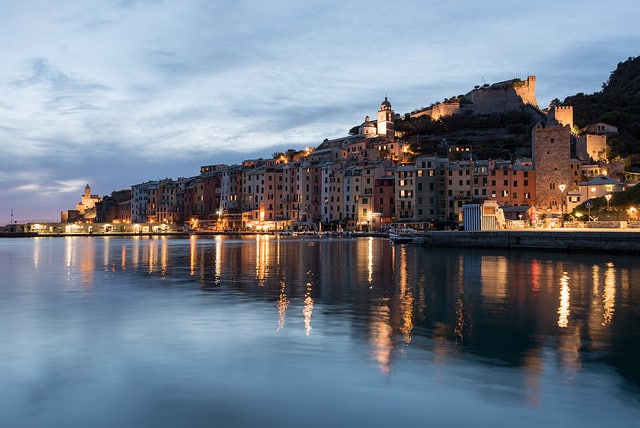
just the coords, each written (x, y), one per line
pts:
(501, 97)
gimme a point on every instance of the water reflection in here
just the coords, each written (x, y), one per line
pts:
(529, 310)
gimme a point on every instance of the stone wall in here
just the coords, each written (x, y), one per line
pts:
(593, 241)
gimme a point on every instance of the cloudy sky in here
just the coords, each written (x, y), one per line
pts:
(118, 92)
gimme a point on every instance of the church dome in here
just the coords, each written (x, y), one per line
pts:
(386, 105)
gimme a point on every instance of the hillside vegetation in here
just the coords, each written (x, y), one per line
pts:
(618, 104)
(508, 135)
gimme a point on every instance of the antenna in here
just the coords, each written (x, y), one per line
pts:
(11, 215)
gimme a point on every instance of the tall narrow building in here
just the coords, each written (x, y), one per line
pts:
(551, 149)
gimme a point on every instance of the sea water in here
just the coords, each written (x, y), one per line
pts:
(266, 331)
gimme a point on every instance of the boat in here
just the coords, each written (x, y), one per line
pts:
(406, 236)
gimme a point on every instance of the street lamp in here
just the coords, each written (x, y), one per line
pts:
(608, 198)
(562, 187)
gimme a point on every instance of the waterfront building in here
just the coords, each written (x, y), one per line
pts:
(511, 184)
(332, 199)
(405, 185)
(115, 208)
(142, 195)
(431, 199)
(384, 200)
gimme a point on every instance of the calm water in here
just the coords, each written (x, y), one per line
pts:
(260, 332)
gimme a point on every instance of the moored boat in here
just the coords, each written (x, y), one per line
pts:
(406, 236)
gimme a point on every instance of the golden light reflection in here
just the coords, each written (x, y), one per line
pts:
(458, 329)
(382, 338)
(262, 258)
(569, 349)
(609, 295)
(123, 256)
(164, 256)
(152, 255)
(218, 256)
(494, 274)
(307, 310)
(193, 254)
(283, 304)
(370, 262)
(563, 309)
(135, 257)
(406, 299)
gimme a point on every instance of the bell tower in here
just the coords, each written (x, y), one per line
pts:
(385, 120)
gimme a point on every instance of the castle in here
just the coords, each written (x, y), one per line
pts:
(501, 97)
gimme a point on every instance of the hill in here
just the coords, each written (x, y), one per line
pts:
(508, 135)
(618, 104)
(491, 136)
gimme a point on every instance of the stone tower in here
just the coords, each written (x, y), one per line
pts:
(385, 120)
(551, 149)
(562, 115)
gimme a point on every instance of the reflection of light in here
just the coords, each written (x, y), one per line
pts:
(262, 258)
(494, 273)
(283, 304)
(164, 256)
(563, 310)
(218, 256)
(381, 337)
(569, 349)
(533, 368)
(152, 255)
(136, 252)
(406, 298)
(193, 253)
(69, 252)
(609, 295)
(370, 262)
(124, 257)
(535, 276)
(107, 247)
(307, 310)
(36, 252)
(458, 329)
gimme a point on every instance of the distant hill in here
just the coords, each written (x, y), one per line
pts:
(618, 104)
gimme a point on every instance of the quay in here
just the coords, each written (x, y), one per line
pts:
(571, 240)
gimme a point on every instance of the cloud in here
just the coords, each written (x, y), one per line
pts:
(123, 91)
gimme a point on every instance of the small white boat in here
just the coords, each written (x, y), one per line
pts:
(406, 236)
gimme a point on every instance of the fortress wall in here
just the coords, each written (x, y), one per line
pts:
(446, 109)
(562, 114)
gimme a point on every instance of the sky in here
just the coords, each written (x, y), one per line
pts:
(112, 93)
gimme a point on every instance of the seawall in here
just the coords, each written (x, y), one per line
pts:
(618, 241)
